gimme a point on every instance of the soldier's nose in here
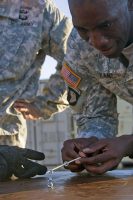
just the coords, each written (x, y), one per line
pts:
(98, 41)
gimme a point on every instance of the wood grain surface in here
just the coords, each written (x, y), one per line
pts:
(114, 185)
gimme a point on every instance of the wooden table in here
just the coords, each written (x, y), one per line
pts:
(115, 185)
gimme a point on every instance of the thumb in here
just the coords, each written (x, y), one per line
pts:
(94, 147)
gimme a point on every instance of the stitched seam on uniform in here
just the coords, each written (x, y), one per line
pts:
(49, 41)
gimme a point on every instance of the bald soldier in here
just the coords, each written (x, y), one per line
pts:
(110, 31)
(29, 30)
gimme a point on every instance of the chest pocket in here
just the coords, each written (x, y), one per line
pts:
(19, 44)
(31, 12)
(10, 42)
(10, 37)
(122, 87)
(10, 8)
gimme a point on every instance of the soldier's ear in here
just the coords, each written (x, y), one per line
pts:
(130, 4)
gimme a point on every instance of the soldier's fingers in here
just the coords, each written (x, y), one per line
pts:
(23, 109)
(32, 154)
(30, 169)
(20, 105)
(37, 168)
(33, 117)
(69, 154)
(71, 166)
(74, 167)
(19, 171)
(21, 101)
(82, 155)
(29, 116)
(26, 115)
(4, 170)
(66, 158)
(102, 168)
(77, 168)
(95, 147)
(99, 158)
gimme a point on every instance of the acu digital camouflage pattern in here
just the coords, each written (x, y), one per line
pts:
(54, 97)
(93, 82)
(101, 80)
(93, 102)
(29, 30)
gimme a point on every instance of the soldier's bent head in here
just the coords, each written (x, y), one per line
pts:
(106, 25)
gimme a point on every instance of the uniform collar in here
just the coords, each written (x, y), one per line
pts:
(128, 53)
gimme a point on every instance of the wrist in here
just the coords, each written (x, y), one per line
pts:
(129, 140)
(131, 154)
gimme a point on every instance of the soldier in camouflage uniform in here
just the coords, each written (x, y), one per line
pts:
(110, 31)
(29, 30)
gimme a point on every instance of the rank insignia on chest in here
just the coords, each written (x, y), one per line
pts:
(70, 77)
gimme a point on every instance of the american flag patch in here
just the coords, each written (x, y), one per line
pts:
(70, 77)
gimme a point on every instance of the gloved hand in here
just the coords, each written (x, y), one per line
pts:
(15, 160)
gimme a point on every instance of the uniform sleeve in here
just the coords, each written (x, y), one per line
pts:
(54, 97)
(99, 117)
(56, 30)
(94, 106)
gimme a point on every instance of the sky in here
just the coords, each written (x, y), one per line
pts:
(48, 67)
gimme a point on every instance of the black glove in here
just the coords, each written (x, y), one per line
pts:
(15, 160)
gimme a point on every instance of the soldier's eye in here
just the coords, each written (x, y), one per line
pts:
(82, 30)
(106, 25)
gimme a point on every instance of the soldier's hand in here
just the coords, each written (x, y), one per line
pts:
(111, 152)
(71, 150)
(28, 110)
(18, 161)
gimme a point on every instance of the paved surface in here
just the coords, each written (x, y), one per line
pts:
(115, 185)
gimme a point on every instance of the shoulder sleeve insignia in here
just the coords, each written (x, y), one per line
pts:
(73, 96)
(69, 76)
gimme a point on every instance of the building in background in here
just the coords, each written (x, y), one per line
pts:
(125, 111)
(48, 136)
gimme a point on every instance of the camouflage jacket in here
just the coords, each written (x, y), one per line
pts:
(29, 30)
(53, 98)
(93, 83)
